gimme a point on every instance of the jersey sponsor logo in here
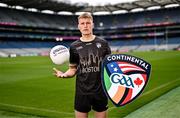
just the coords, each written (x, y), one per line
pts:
(124, 77)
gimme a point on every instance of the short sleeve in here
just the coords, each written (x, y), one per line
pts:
(74, 57)
(108, 49)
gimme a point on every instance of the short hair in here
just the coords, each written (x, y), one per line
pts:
(86, 15)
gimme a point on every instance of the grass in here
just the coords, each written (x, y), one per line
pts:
(28, 87)
(166, 106)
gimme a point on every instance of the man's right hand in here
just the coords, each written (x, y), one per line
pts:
(59, 73)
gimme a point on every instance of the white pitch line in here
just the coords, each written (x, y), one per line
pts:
(148, 92)
(34, 108)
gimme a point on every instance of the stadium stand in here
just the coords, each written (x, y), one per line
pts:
(25, 18)
(33, 33)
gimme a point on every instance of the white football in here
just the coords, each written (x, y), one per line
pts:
(59, 54)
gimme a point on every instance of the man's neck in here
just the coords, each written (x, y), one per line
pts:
(87, 38)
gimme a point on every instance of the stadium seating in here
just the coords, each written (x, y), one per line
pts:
(145, 45)
(103, 23)
(26, 18)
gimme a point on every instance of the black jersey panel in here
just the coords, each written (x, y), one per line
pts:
(88, 57)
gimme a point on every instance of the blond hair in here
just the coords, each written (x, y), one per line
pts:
(86, 15)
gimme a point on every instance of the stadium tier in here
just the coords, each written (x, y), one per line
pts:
(33, 33)
(25, 18)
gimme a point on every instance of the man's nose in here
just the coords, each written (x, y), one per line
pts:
(86, 24)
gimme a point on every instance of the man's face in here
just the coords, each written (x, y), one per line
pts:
(85, 26)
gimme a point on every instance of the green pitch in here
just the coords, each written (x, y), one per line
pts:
(166, 106)
(28, 87)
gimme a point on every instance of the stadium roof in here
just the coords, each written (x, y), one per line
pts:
(59, 6)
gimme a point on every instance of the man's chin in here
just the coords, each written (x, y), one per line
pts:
(86, 33)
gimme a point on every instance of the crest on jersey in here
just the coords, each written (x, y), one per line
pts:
(124, 77)
(98, 45)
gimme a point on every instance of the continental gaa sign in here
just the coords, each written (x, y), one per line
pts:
(124, 77)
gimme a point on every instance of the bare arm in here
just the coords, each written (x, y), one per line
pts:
(69, 73)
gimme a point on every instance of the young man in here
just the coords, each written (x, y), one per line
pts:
(86, 56)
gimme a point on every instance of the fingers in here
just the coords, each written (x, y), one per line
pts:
(55, 69)
(55, 74)
(58, 73)
(63, 75)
